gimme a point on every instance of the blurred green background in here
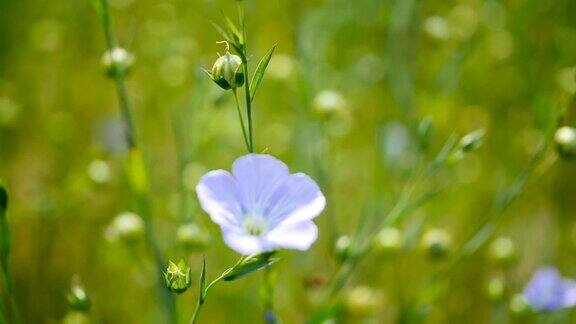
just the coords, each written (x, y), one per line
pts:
(505, 66)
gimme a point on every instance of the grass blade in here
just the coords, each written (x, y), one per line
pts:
(259, 73)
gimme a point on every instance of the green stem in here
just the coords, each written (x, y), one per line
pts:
(202, 301)
(142, 195)
(244, 57)
(246, 141)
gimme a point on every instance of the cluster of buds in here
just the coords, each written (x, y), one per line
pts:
(177, 277)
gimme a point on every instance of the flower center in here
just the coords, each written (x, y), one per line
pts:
(254, 225)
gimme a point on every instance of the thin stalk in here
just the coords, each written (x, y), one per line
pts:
(268, 297)
(202, 301)
(246, 141)
(142, 195)
(244, 57)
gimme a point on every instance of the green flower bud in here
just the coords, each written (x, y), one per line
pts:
(425, 132)
(502, 251)
(495, 289)
(178, 277)
(117, 61)
(127, 227)
(518, 305)
(436, 243)
(191, 237)
(77, 297)
(343, 247)
(363, 301)
(328, 103)
(389, 241)
(99, 171)
(227, 71)
(565, 138)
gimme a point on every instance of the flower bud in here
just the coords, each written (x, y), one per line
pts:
(425, 132)
(565, 138)
(502, 251)
(472, 141)
(227, 72)
(117, 61)
(191, 237)
(328, 103)
(436, 243)
(363, 301)
(495, 289)
(388, 241)
(99, 171)
(127, 227)
(518, 305)
(178, 277)
(343, 247)
(77, 297)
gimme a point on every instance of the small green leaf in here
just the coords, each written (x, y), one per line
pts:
(233, 31)
(250, 264)
(203, 292)
(221, 31)
(259, 73)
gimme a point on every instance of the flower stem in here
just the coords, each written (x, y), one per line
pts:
(136, 164)
(246, 141)
(244, 57)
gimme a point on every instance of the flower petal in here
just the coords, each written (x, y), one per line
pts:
(298, 236)
(220, 198)
(244, 243)
(257, 175)
(569, 293)
(297, 199)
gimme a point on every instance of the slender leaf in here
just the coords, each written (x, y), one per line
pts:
(259, 73)
(233, 31)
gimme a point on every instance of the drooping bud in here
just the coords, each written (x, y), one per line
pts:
(343, 247)
(117, 61)
(389, 241)
(191, 237)
(127, 227)
(77, 297)
(502, 251)
(227, 71)
(436, 243)
(177, 277)
(363, 301)
(565, 138)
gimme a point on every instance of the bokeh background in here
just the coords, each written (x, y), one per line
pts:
(505, 66)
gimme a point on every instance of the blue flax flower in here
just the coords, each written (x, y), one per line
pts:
(260, 206)
(548, 291)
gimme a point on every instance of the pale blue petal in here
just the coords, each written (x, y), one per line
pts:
(257, 176)
(298, 236)
(296, 200)
(545, 292)
(244, 243)
(219, 197)
(569, 293)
